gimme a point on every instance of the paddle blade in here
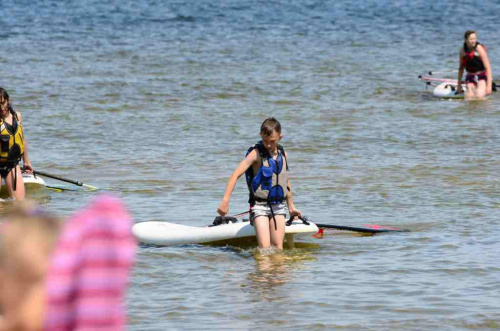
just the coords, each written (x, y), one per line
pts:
(382, 228)
(90, 187)
(319, 234)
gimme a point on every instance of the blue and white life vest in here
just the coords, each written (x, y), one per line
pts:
(270, 183)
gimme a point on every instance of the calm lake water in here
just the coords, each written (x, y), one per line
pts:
(157, 102)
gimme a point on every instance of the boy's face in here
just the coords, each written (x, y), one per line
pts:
(271, 142)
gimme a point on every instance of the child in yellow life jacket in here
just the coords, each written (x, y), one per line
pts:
(266, 170)
(13, 148)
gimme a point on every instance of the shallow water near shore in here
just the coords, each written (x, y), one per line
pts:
(157, 102)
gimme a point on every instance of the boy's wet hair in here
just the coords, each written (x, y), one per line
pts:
(269, 126)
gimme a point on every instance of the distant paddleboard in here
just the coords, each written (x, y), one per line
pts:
(448, 91)
(445, 88)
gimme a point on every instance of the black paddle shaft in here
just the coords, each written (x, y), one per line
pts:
(357, 229)
(41, 173)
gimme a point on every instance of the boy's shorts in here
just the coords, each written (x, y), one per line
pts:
(263, 209)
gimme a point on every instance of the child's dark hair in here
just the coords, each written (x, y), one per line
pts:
(269, 126)
(466, 36)
(468, 33)
(4, 96)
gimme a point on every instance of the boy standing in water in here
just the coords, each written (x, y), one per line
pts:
(266, 169)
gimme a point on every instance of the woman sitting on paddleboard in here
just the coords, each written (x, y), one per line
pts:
(474, 59)
(266, 170)
(13, 148)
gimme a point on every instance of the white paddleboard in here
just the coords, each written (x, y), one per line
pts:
(448, 91)
(171, 234)
(32, 184)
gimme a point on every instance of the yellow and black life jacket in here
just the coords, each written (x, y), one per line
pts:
(11, 141)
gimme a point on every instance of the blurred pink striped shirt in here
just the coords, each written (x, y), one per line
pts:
(89, 269)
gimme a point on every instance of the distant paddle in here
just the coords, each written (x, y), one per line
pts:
(42, 173)
(442, 72)
(60, 188)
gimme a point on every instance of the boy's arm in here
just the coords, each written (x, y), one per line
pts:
(289, 201)
(289, 198)
(237, 173)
